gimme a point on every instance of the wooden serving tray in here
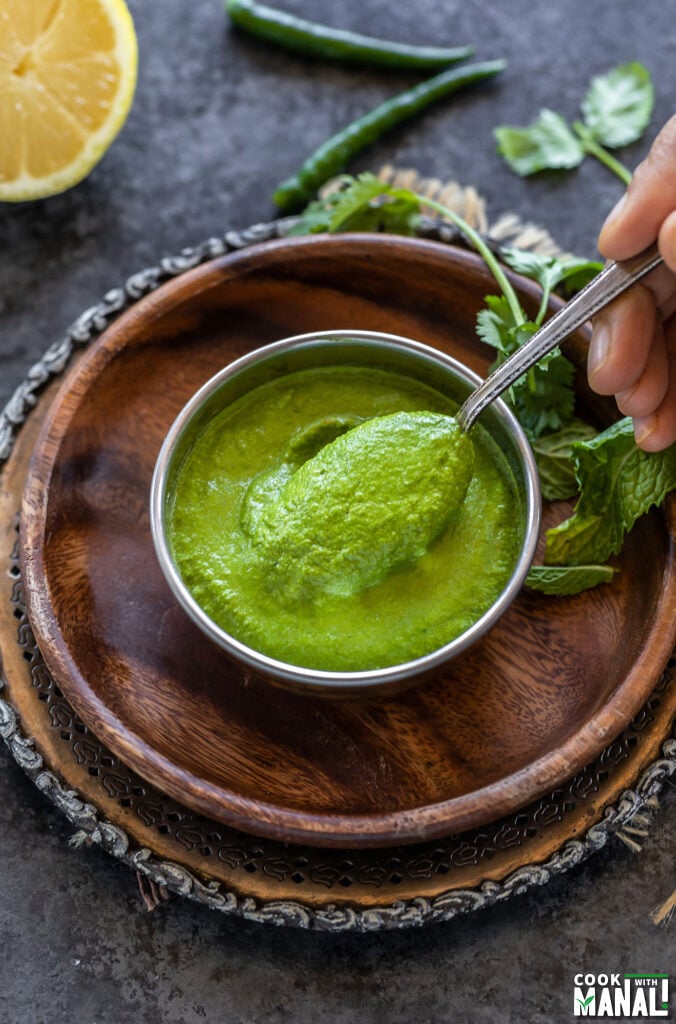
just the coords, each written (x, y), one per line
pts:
(515, 716)
(236, 871)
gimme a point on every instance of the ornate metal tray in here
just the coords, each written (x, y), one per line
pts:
(259, 878)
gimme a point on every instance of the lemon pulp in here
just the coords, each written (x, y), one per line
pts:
(67, 78)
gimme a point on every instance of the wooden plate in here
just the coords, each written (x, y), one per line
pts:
(527, 707)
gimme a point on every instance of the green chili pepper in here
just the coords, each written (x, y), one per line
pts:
(306, 37)
(333, 155)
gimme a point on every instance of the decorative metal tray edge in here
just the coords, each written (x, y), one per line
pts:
(332, 917)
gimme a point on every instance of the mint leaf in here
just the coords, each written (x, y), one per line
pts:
(548, 143)
(618, 483)
(564, 580)
(555, 465)
(619, 104)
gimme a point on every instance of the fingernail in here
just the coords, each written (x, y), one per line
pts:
(668, 241)
(598, 348)
(644, 426)
(615, 212)
(622, 397)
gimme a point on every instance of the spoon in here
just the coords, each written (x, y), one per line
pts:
(613, 280)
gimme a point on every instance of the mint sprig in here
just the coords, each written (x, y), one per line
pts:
(618, 482)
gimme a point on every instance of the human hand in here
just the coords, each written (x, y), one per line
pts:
(633, 349)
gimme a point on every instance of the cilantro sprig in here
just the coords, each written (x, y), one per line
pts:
(361, 204)
(616, 481)
(615, 112)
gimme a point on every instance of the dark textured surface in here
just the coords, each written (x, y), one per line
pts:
(218, 120)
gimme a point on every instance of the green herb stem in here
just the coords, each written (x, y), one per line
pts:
(485, 252)
(544, 305)
(594, 148)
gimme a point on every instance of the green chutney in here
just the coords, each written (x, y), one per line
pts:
(338, 519)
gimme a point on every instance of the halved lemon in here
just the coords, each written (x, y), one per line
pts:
(67, 78)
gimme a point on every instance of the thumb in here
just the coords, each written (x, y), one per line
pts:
(651, 196)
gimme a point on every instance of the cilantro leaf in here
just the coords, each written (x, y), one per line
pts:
(548, 143)
(314, 219)
(354, 197)
(564, 580)
(619, 104)
(546, 270)
(532, 264)
(551, 271)
(371, 204)
(364, 203)
(495, 324)
(616, 109)
(555, 465)
(618, 483)
(544, 399)
(399, 213)
(577, 274)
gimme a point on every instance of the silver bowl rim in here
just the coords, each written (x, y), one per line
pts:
(316, 680)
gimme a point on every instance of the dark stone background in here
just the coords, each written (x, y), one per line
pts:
(218, 120)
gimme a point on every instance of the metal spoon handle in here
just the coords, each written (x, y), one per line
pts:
(614, 279)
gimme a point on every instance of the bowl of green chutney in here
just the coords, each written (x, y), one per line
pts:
(318, 513)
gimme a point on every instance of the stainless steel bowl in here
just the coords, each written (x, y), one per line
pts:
(368, 349)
